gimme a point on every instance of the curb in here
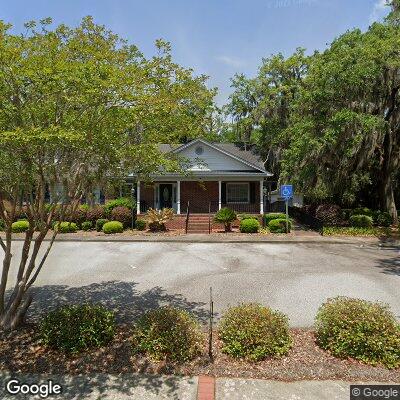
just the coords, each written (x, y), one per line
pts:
(206, 388)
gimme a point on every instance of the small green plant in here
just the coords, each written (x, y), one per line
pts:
(249, 226)
(242, 217)
(76, 328)
(279, 225)
(140, 224)
(120, 202)
(113, 227)
(225, 216)
(359, 329)
(269, 217)
(362, 211)
(383, 218)
(361, 221)
(99, 224)
(254, 332)
(353, 231)
(87, 225)
(20, 226)
(65, 227)
(168, 334)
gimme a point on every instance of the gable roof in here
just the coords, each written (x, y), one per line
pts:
(244, 153)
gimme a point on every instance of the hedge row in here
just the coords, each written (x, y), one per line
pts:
(345, 327)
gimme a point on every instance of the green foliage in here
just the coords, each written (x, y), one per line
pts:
(99, 224)
(140, 224)
(269, 217)
(382, 218)
(65, 227)
(242, 217)
(76, 328)
(87, 225)
(113, 227)
(279, 225)
(120, 202)
(361, 221)
(225, 216)
(122, 214)
(249, 225)
(2, 225)
(353, 231)
(20, 226)
(362, 211)
(168, 334)
(359, 329)
(254, 332)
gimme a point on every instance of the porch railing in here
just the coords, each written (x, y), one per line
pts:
(187, 218)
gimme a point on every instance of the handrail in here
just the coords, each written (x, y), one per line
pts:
(187, 218)
(209, 217)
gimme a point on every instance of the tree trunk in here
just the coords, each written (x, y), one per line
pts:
(387, 197)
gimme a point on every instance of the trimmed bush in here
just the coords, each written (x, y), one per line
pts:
(95, 213)
(242, 217)
(383, 218)
(140, 224)
(99, 224)
(76, 328)
(279, 225)
(65, 227)
(330, 214)
(269, 217)
(225, 216)
(123, 215)
(120, 202)
(362, 211)
(359, 329)
(168, 334)
(249, 226)
(87, 225)
(113, 227)
(254, 332)
(20, 226)
(361, 221)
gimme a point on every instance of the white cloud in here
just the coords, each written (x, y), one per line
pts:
(230, 61)
(379, 11)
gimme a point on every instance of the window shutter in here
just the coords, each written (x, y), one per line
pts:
(223, 192)
(252, 192)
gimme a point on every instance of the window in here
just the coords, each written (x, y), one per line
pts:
(199, 150)
(237, 192)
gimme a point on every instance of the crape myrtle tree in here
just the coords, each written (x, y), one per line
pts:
(79, 107)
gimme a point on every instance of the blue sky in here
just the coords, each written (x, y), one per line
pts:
(214, 37)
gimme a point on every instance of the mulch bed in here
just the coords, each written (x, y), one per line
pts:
(23, 352)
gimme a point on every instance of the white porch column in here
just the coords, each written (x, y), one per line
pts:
(262, 197)
(219, 195)
(138, 198)
(178, 197)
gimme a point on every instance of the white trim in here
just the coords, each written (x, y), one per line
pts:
(178, 197)
(138, 198)
(238, 202)
(185, 146)
(262, 197)
(219, 195)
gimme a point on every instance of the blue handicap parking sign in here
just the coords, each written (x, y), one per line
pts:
(287, 191)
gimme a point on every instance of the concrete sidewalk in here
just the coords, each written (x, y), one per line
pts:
(146, 387)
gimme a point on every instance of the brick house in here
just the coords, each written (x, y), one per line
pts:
(219, 175)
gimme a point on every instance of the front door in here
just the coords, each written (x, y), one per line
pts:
(165, 195)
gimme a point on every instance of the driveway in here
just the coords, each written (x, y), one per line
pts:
(295, 278)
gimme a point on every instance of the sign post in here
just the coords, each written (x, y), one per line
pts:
(287, 193)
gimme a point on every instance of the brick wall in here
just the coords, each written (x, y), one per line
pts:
(147, 194)
(199, 194)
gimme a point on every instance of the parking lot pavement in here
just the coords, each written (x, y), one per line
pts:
(295, 278)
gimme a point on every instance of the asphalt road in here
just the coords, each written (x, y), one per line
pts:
(294, 278)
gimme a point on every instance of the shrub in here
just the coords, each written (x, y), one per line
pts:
(279, 225)
(120, 202)
(359, 329)
(330, 214)
(20, 226)
(383, 218)
(65, 227)
(80, 215)
(2, 225)
(353, 231)
(99, 224)
(249, 226)
(225, 216)
(269, 217)
(95, 213)
(254, 332)
(113, 227)
(168, 333)
(362, 211)
(76, 328)
(242, 217)
(87, 225)
(158, 218)
(361, 221)
(140, 224)
(122, 214)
